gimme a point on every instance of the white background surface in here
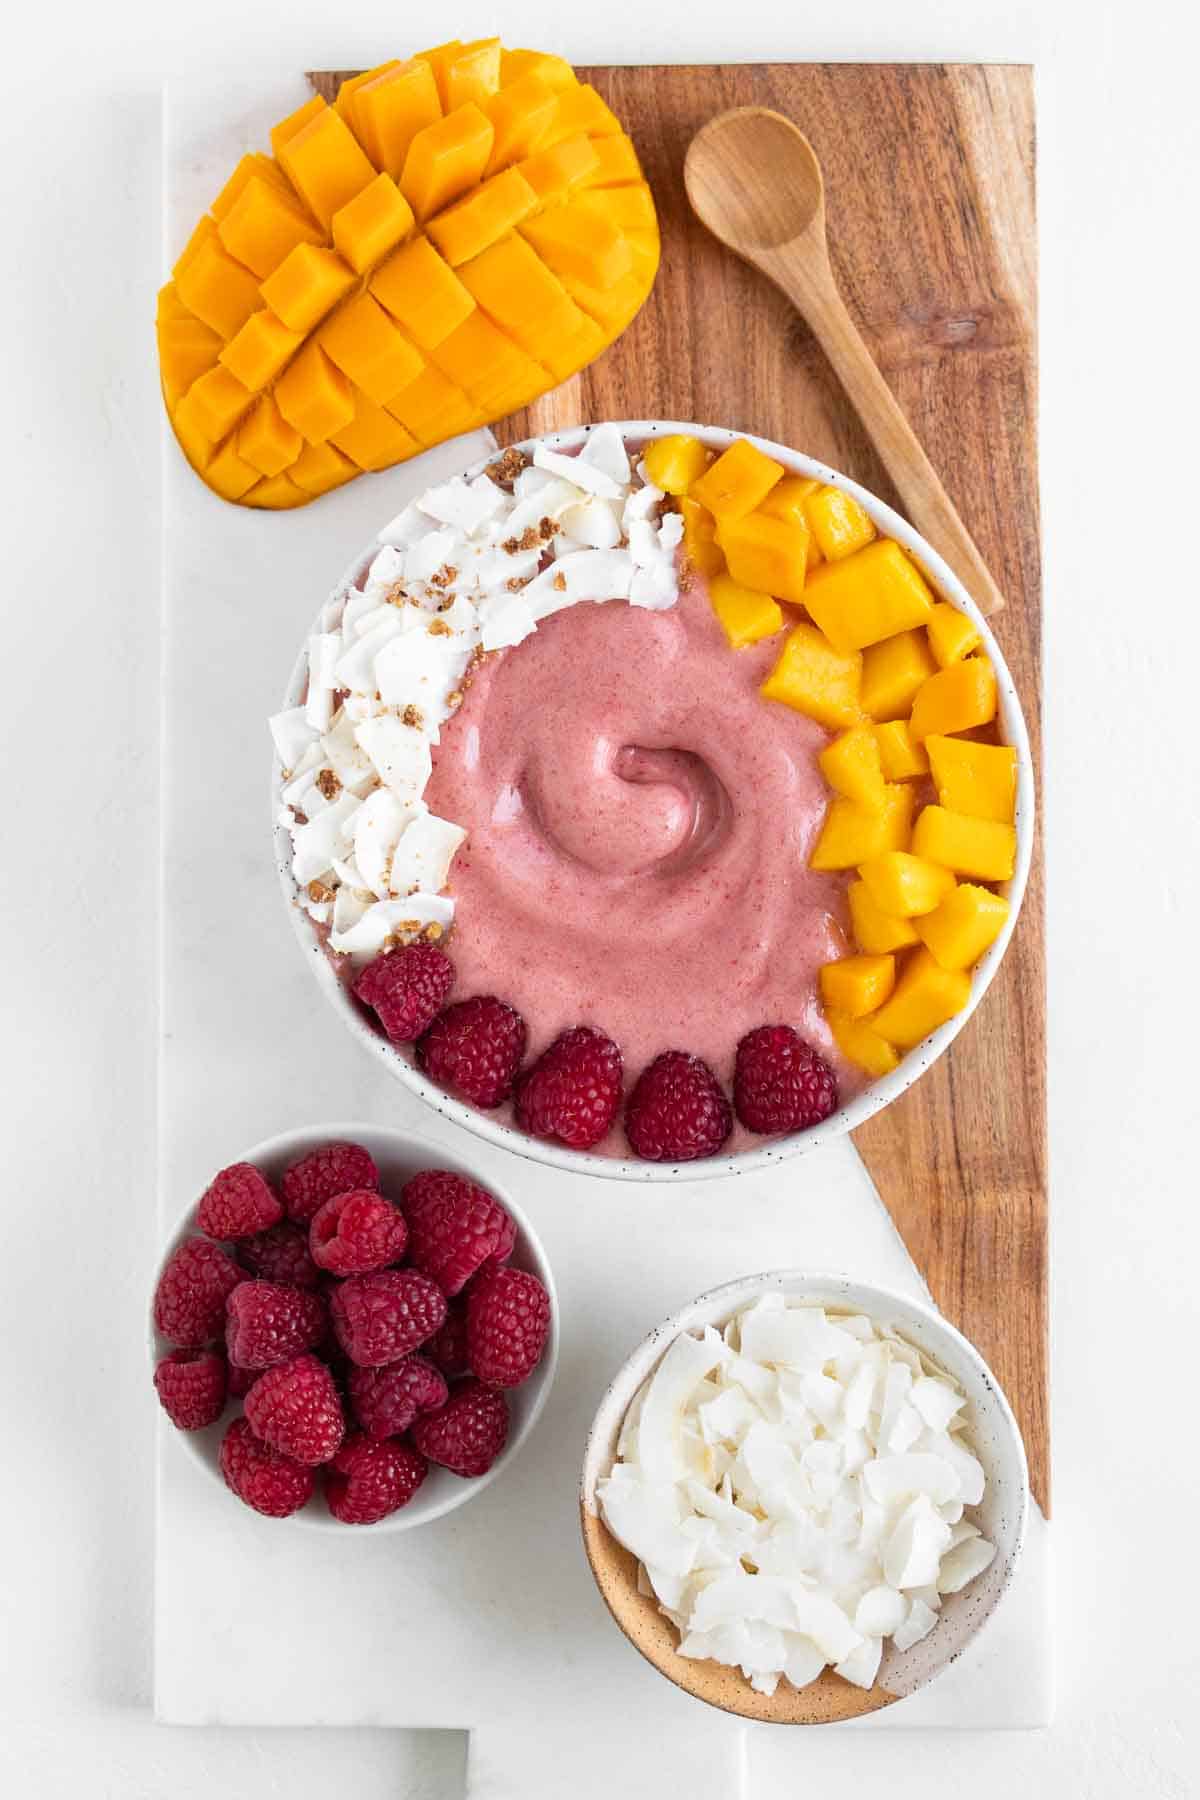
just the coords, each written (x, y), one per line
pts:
(1119, 149)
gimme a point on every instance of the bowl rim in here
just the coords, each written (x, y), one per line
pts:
(296, 1141)
(877, 1094)
(875, 1301)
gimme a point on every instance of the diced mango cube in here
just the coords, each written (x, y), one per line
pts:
(229, 474)
(305, 285)
(925, 996)
(249, 168)
(471, 75)
(616, 163)
(555, 71)
(260, 350)
(553, 173)
(314, 396)
(193, 439)
(839, 523)
(326, 164)
(422, 291)
(977, 779)
(263, 226)
(856, 985)
(186, 348)
(373, 223)
(983, 848)
(854, 834)
(868, 596)
(967, 923)
(901, 756)
(294, 124)
(216, 401)
(516, 289)
(699, 536)
(745, 616)
(483, 217)
(278, 493)
(575, 242)
(739, 480)
(347, 95)
(366, 346)
(218, 290)
(955, 699)
(675, 461)
(266, 440)
(893, 672)
(488, 365)
(433, 407)
(520, 114)
(391, 109)
(445, 159)
(874, 930)
(951, 634)
(903, 885)
(788, 498)
(861, 1045)
(630, 208)
(765, 553)
(319, 468)
(814, 678)
(580, 108)
(373, 438)
(851, 765)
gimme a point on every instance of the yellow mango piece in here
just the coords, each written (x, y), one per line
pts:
(319, 468)
(983, 848)
(814, 678)
(770, 554)
(955, 699)
(699, 536)
(520, 115)
(925, 996)
(788, 497)
(218, 290)
(485, 216)
(433, 407)
(951, 634)
(314, 396)
(862, 1046)
(186, 348)
(868, 596)
(854, 834)
(905, 886)
(555, 71)
(276, 493)
(839, 523)
(516, 289)
(616, 163)
(266, 440)
(366, 346)
(893, 672)
(391, 109)
(373, 439)
(552, 174)
(373, 223)
(903, 759)
(446, 159)
(421, 290)
(254, 167)
(326, 164)
(876, 931)
(612, 308)
(305, 285)
(193, 439)
(574, 241)
(851, 765)
(347, 94)
(217, 401)
(628, 208)
(295, 123)
(228, 474)
(674, 462)
(580, 108)
(205, 232)
(977, 779)
(967, 923)
(485, 362)
(856, 985)
(738, 482)
(468, 74)
(260, 350)
(263, 226)
(745, 616)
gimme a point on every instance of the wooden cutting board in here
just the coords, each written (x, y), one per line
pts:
(929, 173)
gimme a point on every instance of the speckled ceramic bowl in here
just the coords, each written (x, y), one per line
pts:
(1001, 1515)
(874, 1097)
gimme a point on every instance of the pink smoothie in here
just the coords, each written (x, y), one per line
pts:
(640, 823)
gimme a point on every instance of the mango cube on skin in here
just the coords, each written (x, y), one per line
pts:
(955, 699)
(229, 474)
(515, 288)
(925, 996)
(216, 288)
(472, 73)
(856, 985)
(307, 283)
(373, 223)
(186, 348)
(860, 1045)
(894, 673)
(967, 923)
(738, 482)
(373, 439)
(368, 348)
(580, 108)
(814, 678)
(905, 886)
(572, 240)
(902, 759)
(326, 164)
(851, 765)
(868, 596)
(481, 218)
(951, 634)
(295, 122)
(348, 91)
(260, 350)
(555, 71)
(314, 396)
(390, 109)
(854, 834)
(445, 159)
(266, 440)
(553, 173)
(616, 163)
(674, 462)
(216, 401)
(263, 226)
(277, 493)
(520, 114)
(982, 848)
(764, 553)
(839, 524)
(875, 931)
(700, 545)
(433, 407)
(977, 779)
(422, 293)
(319, 468)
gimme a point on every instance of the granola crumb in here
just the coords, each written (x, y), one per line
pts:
(439, 628)
(529, 539)
(559, 584)
(444, 576)
(319, 894)
(329, 784)
(433, 931)
(412, 715)
(516, 583)
(546, 530)
(507, 467)
(510, 546)
(455, 699)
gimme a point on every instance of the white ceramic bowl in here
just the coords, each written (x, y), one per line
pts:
(1001, 1516)
(873, 1098)
(399, 1156)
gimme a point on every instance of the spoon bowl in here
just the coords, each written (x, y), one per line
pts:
(754, 215)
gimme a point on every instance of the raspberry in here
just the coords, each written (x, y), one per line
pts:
(573, 1090)
(386, 1401)
(677, 1110)
(508, 1321)
(189, 1301)
(370, 1480)
(355, 1232)
(241, 1381)
(296, 1409)
(780, 1083)
(455, 1227)
(475, 1047)
(192, 1386)
(237, 1203)
(382, 1316)
(268, 1324)
(313, 1179)
(448, 1348)
(280, 1254)
(406, 989)
(270, 1483)
(469, 1432)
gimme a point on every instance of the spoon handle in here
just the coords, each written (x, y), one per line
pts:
(926, 501)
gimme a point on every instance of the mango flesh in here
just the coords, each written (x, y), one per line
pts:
(905, 886)
(868, 596)
(977, 779)
(854, 834)
(459, 232)
(861, 1045)
(968, 922)
(816, 679)
(746, 616)
(925, 996)
(852, 766)
(982, 848)
(856, 985)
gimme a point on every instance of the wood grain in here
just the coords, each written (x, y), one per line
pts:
(929, 174)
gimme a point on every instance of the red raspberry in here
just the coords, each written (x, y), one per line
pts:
(508, 1321)
(333, 1169)
(455, 1227)
(241, 1381)
(355, 1232)
(370, 1480)
(280, 1254)
(189, 1301)
(677, 1110)
(192, 1385)
(573, 1090)
(270, 1483)
(448, 1349)
(780, 1083)
(295, 1408)
(475, 1048)
(382, 1316)
(406, 989)
(237, 1203)
(386, 1401)
(469, 1432)
(268, 1324)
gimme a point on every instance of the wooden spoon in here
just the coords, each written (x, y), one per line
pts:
(753, 178)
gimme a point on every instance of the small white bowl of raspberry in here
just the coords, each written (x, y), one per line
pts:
(349, 1329)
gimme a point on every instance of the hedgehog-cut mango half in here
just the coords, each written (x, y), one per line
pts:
(455, 235)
